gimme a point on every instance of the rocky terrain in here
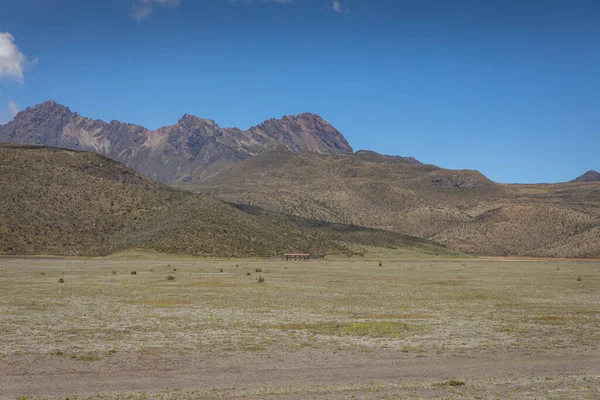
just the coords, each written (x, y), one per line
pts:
(191, 150)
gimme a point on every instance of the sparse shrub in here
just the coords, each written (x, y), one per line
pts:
(114, 272)
(43, 273)
(61, 280)
(174, 269)
(171, 277)
(380, 264)
(579, 278)
(220, 269)
(112, 351)
(558, 268)
(237, 266)
(248, 273)
(261, 279)
(258, 270)
(133, 272)
(455, 383)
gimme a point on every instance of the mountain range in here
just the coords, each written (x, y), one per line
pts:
(191, 150)
(300, 168)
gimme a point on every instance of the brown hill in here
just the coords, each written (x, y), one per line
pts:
(462, 209)
(590, 176)
(65, 202)
(190, 150)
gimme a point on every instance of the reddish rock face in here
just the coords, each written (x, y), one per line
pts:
(191, 150)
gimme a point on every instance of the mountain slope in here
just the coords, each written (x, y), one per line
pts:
(190, 150)
(462, 209)
(66, 202)
(385, 194)
(590, 176)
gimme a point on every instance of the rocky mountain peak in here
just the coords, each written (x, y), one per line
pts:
(192, 120)
(49, 106)
(590, 176)
(188, 150)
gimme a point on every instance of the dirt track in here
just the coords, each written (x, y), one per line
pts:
(289, 374)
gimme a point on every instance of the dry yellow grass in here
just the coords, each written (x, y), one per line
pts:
(434, 305)
(417, 307)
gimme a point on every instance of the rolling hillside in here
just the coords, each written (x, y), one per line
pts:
(65, 202)
(462, 209)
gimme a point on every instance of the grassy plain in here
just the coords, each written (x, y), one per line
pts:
(333, 328)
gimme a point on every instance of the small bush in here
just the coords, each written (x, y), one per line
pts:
(61, 280)
(112, 351)
(174, 269)
(258, 270)
(455, 383)
(171, 277)
(579, 278)
(248, 273)
(114, 272)
(43, 273)
(261, 279)
(220, 269)
(133, 272)
(380, 264)
(237, 266)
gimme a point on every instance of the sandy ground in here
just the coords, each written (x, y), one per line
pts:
(328, 329)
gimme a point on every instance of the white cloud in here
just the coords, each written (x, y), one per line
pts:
(12, 62)
(10, 113)
(337, 6)
(142, 9)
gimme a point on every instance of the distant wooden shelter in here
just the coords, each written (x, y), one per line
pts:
(296, 256)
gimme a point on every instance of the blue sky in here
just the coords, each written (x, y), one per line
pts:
(510, 88)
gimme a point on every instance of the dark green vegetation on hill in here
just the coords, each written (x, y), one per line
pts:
(462, 209)
(66, 202)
